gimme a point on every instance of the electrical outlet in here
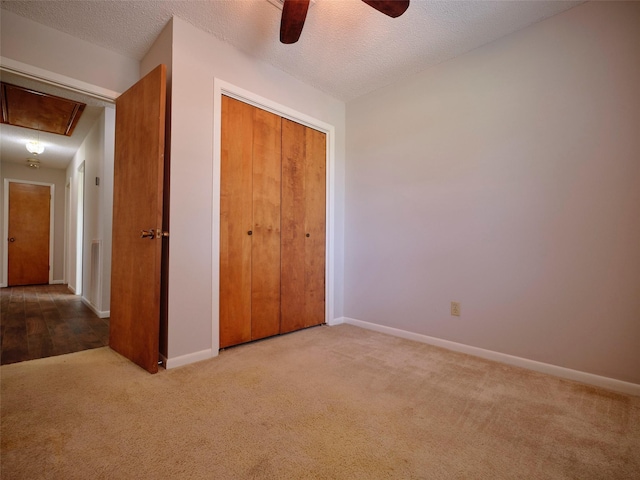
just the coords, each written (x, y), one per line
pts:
(455, 309)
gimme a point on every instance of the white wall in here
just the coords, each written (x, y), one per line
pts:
(197, 59)
(96, 152)
(34, 44)
(507, 179)
(108, 123)
(55, 176)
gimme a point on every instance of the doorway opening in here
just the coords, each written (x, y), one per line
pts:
(82, 216)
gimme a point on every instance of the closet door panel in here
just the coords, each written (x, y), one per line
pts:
(315, 226)
(265, 264)
(236, 211)
(293, 225)
(303, 226)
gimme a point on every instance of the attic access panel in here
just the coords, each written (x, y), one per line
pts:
(27, 108)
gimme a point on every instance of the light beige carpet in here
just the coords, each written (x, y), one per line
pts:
(328, 402)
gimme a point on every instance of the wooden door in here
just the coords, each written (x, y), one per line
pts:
(272, 224)
(29, 223)
(249, 223)
(303, 227)
(236, 221)
(265, 243)
(138, 207)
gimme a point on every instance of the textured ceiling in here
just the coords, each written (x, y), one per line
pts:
(346, 48)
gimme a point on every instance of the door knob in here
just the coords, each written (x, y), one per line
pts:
(12, 239)
(148, 234)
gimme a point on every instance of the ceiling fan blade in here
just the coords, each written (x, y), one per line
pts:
(393, 8)
(294, 13)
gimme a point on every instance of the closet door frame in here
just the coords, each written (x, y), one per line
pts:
(220, 87)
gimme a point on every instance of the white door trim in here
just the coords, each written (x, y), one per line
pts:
(221, 87)
(52, 78)
(52, 192)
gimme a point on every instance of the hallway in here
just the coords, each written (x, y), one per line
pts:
(44, 321)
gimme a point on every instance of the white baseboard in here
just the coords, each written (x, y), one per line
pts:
(189, 358)
(71, 289)
(588, 378)
(336, 321)
(3, 285)
(99, 313)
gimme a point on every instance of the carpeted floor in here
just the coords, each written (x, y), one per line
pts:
(323, 403)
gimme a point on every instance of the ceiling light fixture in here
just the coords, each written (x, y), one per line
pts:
(34, 147)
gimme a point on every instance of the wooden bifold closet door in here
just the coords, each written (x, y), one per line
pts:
(303, 227)
(272, 224)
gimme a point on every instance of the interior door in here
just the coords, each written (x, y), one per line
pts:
(303, 226)
(137, 220)
(265, 249)
(249, 223)
(236, 222)
(29, 223)
(272, 224)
